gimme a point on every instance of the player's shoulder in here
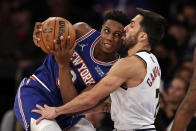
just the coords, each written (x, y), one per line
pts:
(129, 60)
(130, 63)
(81, 29)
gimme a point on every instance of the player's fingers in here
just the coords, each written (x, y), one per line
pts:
(37, 28)
(62, 42)
(68, 41)
(57, 46)
(46, 106)
(36, 41)
(74, 46)
(54, 43)
(36, 111)
(52, 50)
(38, 120)
(39, 107)
(37, 25)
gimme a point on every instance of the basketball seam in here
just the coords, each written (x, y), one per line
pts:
(47, 51)
(54, 30)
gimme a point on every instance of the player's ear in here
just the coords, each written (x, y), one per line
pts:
(142, 36)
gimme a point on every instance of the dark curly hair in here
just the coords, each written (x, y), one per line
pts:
(116, 15)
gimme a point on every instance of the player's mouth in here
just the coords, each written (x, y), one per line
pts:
(107, 45)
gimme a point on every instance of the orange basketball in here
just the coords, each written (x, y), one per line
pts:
(52, 29)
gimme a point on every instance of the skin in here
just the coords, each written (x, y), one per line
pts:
(120, 73)
(177, 91)
(105, 50)
(188, 106)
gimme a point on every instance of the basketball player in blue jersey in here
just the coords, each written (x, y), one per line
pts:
(91, 59)
(132, 82)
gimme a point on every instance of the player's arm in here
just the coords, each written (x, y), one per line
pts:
(89, 98)
(188, 106)
(101, 90)
(118, 74)
(81, 29)
(67, 89)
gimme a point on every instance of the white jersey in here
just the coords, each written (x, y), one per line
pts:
(136, 107)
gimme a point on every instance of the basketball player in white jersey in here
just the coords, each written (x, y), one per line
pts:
(132, 82)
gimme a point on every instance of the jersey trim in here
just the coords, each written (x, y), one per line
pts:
(147, 129)
(97, 61)
(123, 87)
(144, 51)
(86, 35)
(20, 106)
(146, 71)
(41, 83)
(141, 59)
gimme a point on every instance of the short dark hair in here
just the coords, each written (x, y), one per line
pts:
(153, 24)
(116, 15)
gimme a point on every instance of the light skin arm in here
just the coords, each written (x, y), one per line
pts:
(188, 106)
(119, 73)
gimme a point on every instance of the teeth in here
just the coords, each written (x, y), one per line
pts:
(107, 45)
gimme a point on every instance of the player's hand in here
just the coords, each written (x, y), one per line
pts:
(37, 30)
(63, 51)
(46, 112)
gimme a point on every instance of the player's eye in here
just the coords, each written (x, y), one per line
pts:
(106, 31)
(118, 35)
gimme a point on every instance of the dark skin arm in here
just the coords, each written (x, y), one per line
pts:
(63, 53)
(68, 91)
(62, 56)
(188, 106)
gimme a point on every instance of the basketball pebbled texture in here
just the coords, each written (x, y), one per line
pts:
(52, 29)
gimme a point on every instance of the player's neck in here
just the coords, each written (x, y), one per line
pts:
(103, 56)
(138, 47)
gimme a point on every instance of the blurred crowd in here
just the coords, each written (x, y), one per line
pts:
(19, 57)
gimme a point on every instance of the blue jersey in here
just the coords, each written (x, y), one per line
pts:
(42, 87)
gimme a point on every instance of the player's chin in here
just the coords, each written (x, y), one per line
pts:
(109, 50)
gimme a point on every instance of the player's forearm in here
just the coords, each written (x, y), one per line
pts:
(78, 104)
(68, 91)
(181, 121)
(187, 108)
(183, 116)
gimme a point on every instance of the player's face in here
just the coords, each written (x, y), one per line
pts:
(111, 34)
(177, 90)
(132, 31)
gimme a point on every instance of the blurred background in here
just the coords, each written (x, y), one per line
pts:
(19, 57)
